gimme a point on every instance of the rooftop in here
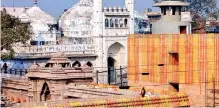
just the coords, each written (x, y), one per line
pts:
(170, 3)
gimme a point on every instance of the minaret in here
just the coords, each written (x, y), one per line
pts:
(35, 2)
(130, 6)
(97, 18)
(98, 36)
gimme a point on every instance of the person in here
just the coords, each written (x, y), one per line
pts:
(5, 67)
(143, 92)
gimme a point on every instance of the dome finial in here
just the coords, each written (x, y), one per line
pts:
(35, 2)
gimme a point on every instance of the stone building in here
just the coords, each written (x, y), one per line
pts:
(47, 81)
(57, 83)
(89, 32)
(44, 33)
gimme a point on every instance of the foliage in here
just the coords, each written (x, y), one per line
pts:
(204, 8)
(8, 56)
(12, 31)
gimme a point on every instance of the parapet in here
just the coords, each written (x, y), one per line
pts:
(115, 9)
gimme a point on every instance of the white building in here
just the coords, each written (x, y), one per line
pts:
(40, 21)
(90, 33)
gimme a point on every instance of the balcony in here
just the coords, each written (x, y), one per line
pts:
(48, 50)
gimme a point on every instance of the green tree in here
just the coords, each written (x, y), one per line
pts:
(13, 31)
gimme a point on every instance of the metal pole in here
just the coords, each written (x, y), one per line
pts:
(121, 75)
(205, 91)
(115, 74)
(214, 91)
(97, 76)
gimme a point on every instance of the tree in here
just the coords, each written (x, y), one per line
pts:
(13, 31)
(204, 7)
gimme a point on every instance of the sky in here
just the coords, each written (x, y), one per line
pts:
(56, 7)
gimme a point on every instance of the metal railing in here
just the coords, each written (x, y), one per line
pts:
(20, 72)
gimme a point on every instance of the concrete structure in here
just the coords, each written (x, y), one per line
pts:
(174, 19)
(212, 25)
(183, 63)
(152, 16)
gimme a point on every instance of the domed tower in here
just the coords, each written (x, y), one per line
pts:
(40, 21)
(174, 19)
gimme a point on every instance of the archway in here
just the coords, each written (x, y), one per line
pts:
(111, 69)
(76, 64)
(115, 59)
(45, 93)
(89, 64)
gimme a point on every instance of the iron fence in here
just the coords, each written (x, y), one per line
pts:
(20, 72)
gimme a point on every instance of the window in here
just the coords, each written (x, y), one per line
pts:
(174, 58)
(125, 22)
(111, 23)
(180, 10)
(183, 29)
(164, 11)
(121, 23)
(174, 10)
(116, 23)
(106, 22)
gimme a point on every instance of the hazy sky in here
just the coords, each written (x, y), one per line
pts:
(56, 7)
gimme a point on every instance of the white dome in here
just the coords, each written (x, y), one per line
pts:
(24, 16)
(36, 13)
(77, 21)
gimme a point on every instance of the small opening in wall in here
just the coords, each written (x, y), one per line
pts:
(175, 86)
(174, 58)
(145, 73)
(160, 64)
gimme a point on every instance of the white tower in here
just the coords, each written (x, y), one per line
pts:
(130, 6)
(97, 18)
(98, 36)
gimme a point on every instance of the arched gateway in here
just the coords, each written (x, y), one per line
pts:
(115, 59)
(45, 93)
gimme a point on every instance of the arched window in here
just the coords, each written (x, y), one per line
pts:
(121, 23)
(106, 22)
(89, 64)
(76, 64)
(111, 23)
(125, 22)
(116, 23)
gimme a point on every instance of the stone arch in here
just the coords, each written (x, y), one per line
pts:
(12, 98)
(45, 93)
(111, 23)
(18, 100)
(106, 22)
(116, 22)
(121, 23)
(24, 100)
(76, 64)
(115, 59)
(126, 23)
(89, 64)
